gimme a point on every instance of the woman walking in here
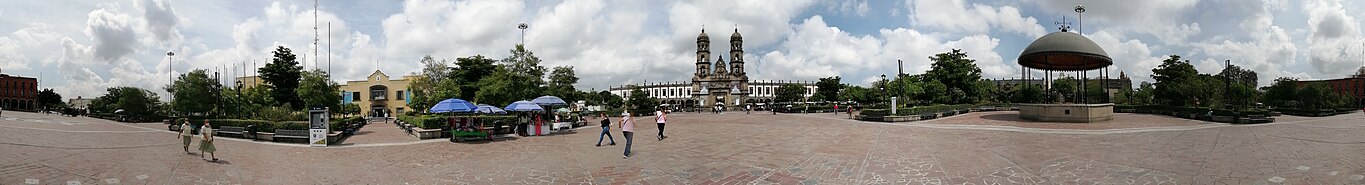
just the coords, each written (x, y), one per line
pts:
(660, 117)
(627, 130)
(606, 130)
(206, 145)
(185, 135)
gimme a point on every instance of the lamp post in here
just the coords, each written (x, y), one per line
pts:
(1080, 20)
(883, 87)
(170, 71)
(523, 27)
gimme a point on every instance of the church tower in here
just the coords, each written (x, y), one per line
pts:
(720, 68)
(737, 54)
(703, 55)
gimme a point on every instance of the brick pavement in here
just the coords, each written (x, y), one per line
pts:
(731, 148)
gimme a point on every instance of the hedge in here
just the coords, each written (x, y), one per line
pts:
(436, 121)
(270, 126)
(928, 109)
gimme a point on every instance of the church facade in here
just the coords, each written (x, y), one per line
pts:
(716, 82)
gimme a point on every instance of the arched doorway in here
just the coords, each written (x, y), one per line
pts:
(378, 101)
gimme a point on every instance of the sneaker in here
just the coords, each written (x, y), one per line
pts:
(613, 144)
(625, 157)
(599, 145)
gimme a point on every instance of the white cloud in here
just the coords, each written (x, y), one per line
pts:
(817, 50)
(1333, 38)
(161, 21)
(956, 16)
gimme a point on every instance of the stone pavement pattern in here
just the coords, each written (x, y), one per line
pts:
(731, 148)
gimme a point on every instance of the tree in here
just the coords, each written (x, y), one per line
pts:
(524, 63)
(828, 88)
(195, 93)
(789, 93)
(1239, 75)
(435, 70)
(135, 102)
(640, 102)
(469, 71)
(518, 77)
(1065, 88)
(316, 91)
(1172, 77)
(1282, 92)
(562, 80)
(49, 99)
(1029, 94)
(282, 75)
(858, 94)
(959, 74)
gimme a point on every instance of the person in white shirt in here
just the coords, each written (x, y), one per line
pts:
(660, 118)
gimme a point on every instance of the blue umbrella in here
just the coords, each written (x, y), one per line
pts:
(523, 106)
(489, 109)
(453, 105)
(549, 100)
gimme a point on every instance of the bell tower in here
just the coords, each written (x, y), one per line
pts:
(736, 54)
(703, 55)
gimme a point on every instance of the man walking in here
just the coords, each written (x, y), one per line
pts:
(627, 130)
(660, 118)
(606, 130)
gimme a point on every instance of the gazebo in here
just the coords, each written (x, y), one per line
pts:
(1065, 52)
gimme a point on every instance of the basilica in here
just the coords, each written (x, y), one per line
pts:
(715, 83)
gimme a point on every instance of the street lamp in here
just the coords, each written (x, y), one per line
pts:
(883, 87)
(170, 70)
(523, 27)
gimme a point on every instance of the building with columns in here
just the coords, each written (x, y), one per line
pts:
(715, 82)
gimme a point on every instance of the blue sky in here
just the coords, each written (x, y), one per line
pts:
(81, 47)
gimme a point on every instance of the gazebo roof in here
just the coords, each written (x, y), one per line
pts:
(1064, 51)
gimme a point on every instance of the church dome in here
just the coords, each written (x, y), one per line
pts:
(702, 37)
(736, 36)
(1064, 51)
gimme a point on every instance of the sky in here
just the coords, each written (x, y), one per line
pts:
(79, 48)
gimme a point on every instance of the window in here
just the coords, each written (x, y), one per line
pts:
(355, 96)
(399, 96)
(400, 109)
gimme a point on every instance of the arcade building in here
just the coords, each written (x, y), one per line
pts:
(18, 93)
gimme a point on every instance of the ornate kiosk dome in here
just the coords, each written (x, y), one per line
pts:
(1064, 51)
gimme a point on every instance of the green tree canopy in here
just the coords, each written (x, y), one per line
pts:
(828, 88)
(133, 101)
(195, 93)
(49, 99)
(282, 75)
(316, 91)
(789, 93)
(562, 80)
(1239, 75)
(518, 77)
(1173, 77)
(469, 71)
(959, 74)
(640, 102)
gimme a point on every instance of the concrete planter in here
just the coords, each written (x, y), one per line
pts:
(266, 136)
(427, 133)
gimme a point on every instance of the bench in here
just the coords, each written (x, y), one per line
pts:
(241, 131)
(291, 134)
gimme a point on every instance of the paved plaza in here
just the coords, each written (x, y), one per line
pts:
(729, 148)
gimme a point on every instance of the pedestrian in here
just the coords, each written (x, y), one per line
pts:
(185, 135)
(660, 118)
(606, 130)
(747, 108)
(850, 112)
(628, 131)
(206, 145)
(836, 109)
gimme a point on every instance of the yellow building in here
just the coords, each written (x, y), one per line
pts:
(247, 82)
(378, 95)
